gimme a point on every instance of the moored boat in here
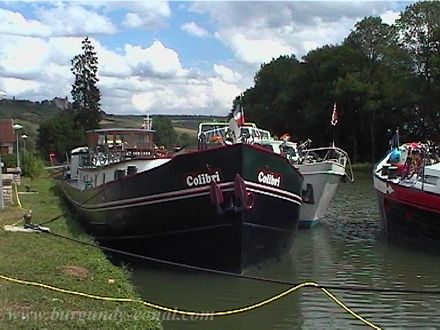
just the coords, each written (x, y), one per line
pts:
(231, 207)
(323, 167)
(407, 182)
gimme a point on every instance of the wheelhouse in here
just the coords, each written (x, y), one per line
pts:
(134, 140)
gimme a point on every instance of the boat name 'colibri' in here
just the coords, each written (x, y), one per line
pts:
(269, 179)
(202, 178)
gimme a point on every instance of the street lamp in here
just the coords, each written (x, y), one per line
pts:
(17, 127)
(24, 137)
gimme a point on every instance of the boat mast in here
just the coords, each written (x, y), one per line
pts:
(148, 123)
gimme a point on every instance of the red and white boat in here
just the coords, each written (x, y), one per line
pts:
(407, 182)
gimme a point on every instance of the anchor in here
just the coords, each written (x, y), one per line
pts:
(241, 201)
(245, 198)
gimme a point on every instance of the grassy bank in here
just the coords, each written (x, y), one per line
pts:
(43, 258)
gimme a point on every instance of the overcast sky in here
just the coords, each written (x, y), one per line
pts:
(166, 57)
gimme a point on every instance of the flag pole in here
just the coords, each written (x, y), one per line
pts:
(242, 108)
(334, 133)
(333, 122)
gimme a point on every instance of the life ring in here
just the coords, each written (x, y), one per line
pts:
(102, 159)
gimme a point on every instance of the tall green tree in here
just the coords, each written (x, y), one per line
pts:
(419, 31)
(86, 95)
(272, 99)
(371, 38)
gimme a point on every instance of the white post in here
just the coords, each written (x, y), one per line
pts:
(2, 204)
(18, 151)
(17, 127)
(24, 137)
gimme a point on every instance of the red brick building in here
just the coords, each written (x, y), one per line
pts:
(7, 136)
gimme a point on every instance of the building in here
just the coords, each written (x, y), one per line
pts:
(7, 136)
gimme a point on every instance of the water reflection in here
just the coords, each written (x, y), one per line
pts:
(347, 248)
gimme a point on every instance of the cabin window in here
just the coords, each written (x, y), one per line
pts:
(140, 141)
(118, 141)
(109, 140)
(101, 139)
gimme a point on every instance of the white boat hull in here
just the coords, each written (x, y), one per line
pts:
(323, 178)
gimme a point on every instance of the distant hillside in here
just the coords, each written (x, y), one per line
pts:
(24, 110)
(31, 114)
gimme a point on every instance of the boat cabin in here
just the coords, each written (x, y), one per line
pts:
(212, 134)
(132, 140)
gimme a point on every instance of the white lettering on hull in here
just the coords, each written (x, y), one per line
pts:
(202, 179)
(270, 179)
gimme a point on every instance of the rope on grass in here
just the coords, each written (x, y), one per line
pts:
(196, 313)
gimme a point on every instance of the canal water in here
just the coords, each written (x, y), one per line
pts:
(348, 248)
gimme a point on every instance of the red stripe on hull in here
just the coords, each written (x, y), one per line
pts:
(421, 199)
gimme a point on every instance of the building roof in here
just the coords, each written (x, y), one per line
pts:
(7, 134)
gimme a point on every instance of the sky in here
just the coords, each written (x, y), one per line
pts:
(166, 57)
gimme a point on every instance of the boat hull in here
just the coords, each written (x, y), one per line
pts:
(169, 210)
(323, 180)
(408, 213)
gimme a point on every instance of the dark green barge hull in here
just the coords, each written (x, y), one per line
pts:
(190, 209)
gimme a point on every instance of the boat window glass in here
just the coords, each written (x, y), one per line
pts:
(82, 159)
(101, 139)
(128, 140)
(118, 141)
(109, 140)
(140, 140)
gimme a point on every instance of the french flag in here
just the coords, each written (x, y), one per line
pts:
(239, 115)
(334, 120)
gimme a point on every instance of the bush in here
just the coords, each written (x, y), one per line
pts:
(31, 166)
(10, 160)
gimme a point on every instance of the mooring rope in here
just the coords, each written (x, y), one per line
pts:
(196, 313)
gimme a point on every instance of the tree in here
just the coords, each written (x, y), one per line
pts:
(371, 38)
(86, 95)
(165, 134)
(32, 166)
(59, 135)
(419, 31)
(381, 77)
(272, 99)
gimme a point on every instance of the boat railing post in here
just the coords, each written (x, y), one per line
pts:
(423, 171)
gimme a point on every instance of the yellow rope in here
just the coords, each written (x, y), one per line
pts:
(199, 314)
(348, 310)
(16, 195)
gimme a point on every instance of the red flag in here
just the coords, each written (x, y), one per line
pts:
(239, 115)
(334, 120)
